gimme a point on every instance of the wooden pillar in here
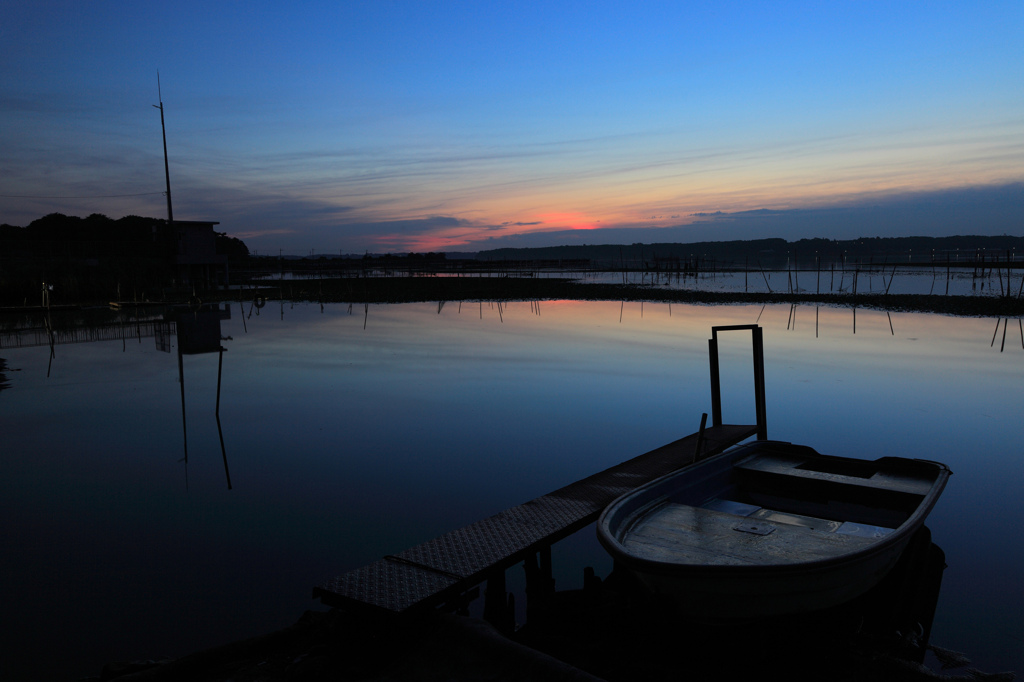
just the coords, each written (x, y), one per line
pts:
(540, 586)
(499, 609)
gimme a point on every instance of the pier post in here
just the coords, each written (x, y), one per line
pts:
(497, 609)
(540, 586)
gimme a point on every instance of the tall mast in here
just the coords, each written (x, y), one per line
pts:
(167, 171)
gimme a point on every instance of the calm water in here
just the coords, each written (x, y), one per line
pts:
(353, 433)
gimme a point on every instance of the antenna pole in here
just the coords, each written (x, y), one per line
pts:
(163, 129)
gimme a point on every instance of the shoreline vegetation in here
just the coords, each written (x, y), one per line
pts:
(424, 289)
(96, 260)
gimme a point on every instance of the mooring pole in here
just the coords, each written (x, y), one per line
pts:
(163, 130)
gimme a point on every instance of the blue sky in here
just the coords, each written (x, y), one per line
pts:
(333, 127)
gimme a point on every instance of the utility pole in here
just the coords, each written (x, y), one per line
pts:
(167, 172)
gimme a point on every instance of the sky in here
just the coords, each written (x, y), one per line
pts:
(347, 127)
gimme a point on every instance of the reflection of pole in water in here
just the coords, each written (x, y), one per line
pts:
(184, 430)
(216, 414)
(1002, 346)
(49, 327)
(199, 332)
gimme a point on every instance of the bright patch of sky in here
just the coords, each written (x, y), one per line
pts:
(344, 127)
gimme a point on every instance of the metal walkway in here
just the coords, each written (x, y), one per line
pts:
(444, 570)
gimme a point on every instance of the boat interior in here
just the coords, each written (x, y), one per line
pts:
(798, 487)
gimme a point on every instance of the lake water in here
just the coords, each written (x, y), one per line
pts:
(350, 433)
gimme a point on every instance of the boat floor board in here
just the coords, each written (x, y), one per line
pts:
(880, 480)
(682, 534)
(441, 569)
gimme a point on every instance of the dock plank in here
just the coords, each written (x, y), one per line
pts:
(441, 569)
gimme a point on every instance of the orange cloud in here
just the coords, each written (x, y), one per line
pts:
(567, 221)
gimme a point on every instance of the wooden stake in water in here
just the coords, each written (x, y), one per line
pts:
(700, 437)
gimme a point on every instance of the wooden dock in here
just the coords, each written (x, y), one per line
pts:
(446, 571)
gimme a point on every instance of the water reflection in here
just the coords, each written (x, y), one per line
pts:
(196, 328)
(199, 331)
(366, 432)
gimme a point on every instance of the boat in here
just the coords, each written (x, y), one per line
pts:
(770, 528)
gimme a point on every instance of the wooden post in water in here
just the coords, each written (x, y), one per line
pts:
(700, 437)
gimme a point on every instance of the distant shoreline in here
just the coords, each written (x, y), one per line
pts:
(421, 289)
(408, 289)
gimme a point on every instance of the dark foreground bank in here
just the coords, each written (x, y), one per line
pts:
(608, 631)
